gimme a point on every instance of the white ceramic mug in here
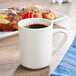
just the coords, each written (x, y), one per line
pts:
(36, 44)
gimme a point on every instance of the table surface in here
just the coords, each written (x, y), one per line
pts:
(9, 47)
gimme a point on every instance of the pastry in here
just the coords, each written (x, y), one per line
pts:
(49, 15)
(10, 18)
(32, 12)
(9, 21)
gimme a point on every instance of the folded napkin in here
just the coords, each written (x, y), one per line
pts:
(67, 66)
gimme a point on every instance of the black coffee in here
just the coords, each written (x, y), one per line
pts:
(36, 26)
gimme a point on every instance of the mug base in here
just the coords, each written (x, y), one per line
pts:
(30, 68)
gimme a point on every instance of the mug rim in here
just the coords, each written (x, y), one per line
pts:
(49, 26)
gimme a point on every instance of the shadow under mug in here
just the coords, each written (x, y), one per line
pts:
(36, 48)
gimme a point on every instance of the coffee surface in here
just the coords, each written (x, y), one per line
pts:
(36, 26)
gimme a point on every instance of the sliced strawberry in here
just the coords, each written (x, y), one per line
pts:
(36, 15)
(32, 15)
(25, 16)
(28, 14)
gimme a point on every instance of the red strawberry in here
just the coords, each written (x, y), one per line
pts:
(36, 15)
(32, 15)
(25, 16)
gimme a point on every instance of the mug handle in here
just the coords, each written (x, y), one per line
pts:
(55, 31)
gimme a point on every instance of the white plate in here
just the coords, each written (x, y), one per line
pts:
(59, 17)
(6, 34)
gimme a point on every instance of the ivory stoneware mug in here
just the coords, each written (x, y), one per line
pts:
(36, 43)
